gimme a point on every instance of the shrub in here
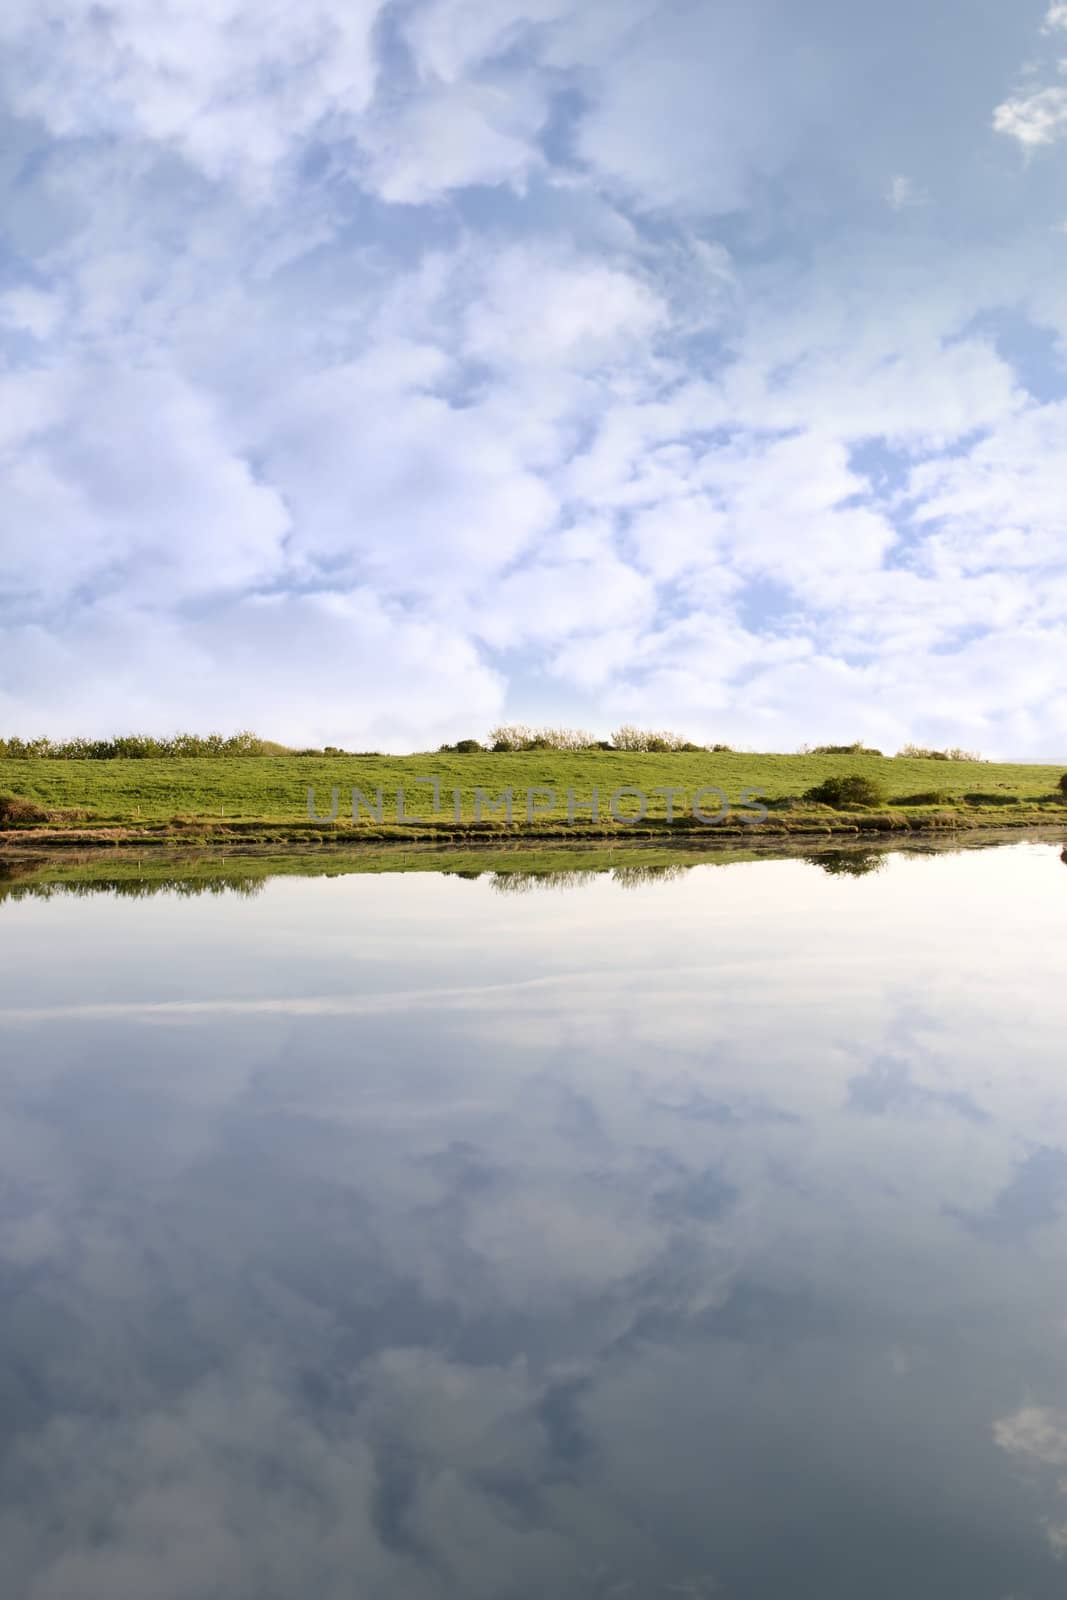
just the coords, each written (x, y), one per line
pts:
(517, 736)
(929, 797)
(857, 749)
(468, 747)
(15, 809)
(139, 747)
(918, 752)
(511, 736)
(1063, 786)
(853, 789)
(647, 741)
(26, 749)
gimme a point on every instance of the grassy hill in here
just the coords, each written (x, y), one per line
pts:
(268, 794)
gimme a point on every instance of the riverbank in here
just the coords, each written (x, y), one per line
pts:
(203, 833)
(460, 800)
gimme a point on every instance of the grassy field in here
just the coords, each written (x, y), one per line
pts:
(217, 796)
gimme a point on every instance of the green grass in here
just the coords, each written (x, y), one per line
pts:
(227, 793)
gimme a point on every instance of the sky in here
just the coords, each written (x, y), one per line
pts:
(376, 371)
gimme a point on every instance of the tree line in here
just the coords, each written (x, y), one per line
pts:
(138, 747)
(509, 737)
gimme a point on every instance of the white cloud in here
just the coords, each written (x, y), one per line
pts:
(677, 535)
(1037, 116)
(452, 137)
(561, 596)
(844, 368)
(689, 111)
(451, 37)
(231, 85)
(537, 308)
(315, 668)
(1000, 505)
(1034, 119)
(32, 311)
(1037, 1435)
(124, 482)
(390, 482)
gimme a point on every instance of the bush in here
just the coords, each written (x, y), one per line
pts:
(647, 741)
(918, 752)
(139, 747)
(517, 736)
(14, 809)
(851, 790)
(1063, 786)
(468, 747)
(929, 797)
(857, 749)
(512, 736)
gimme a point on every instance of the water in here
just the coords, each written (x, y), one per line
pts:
(411, 1236)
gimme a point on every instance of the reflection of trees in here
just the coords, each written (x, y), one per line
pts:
(849, 863)
(1063, 856)
(629, 877)
(528, 882)
(238, 883)
(636, 877)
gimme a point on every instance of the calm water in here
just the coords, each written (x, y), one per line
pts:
(415, 1236)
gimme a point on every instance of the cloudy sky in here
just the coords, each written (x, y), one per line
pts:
(372, 370)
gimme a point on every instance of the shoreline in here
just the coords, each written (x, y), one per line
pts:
(331, 839)
(333, 836)
(245, 867)
(684, 800)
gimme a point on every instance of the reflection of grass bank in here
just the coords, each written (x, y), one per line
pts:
(514, 869)
(228, 800)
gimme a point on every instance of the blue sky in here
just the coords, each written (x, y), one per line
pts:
(375, 370)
